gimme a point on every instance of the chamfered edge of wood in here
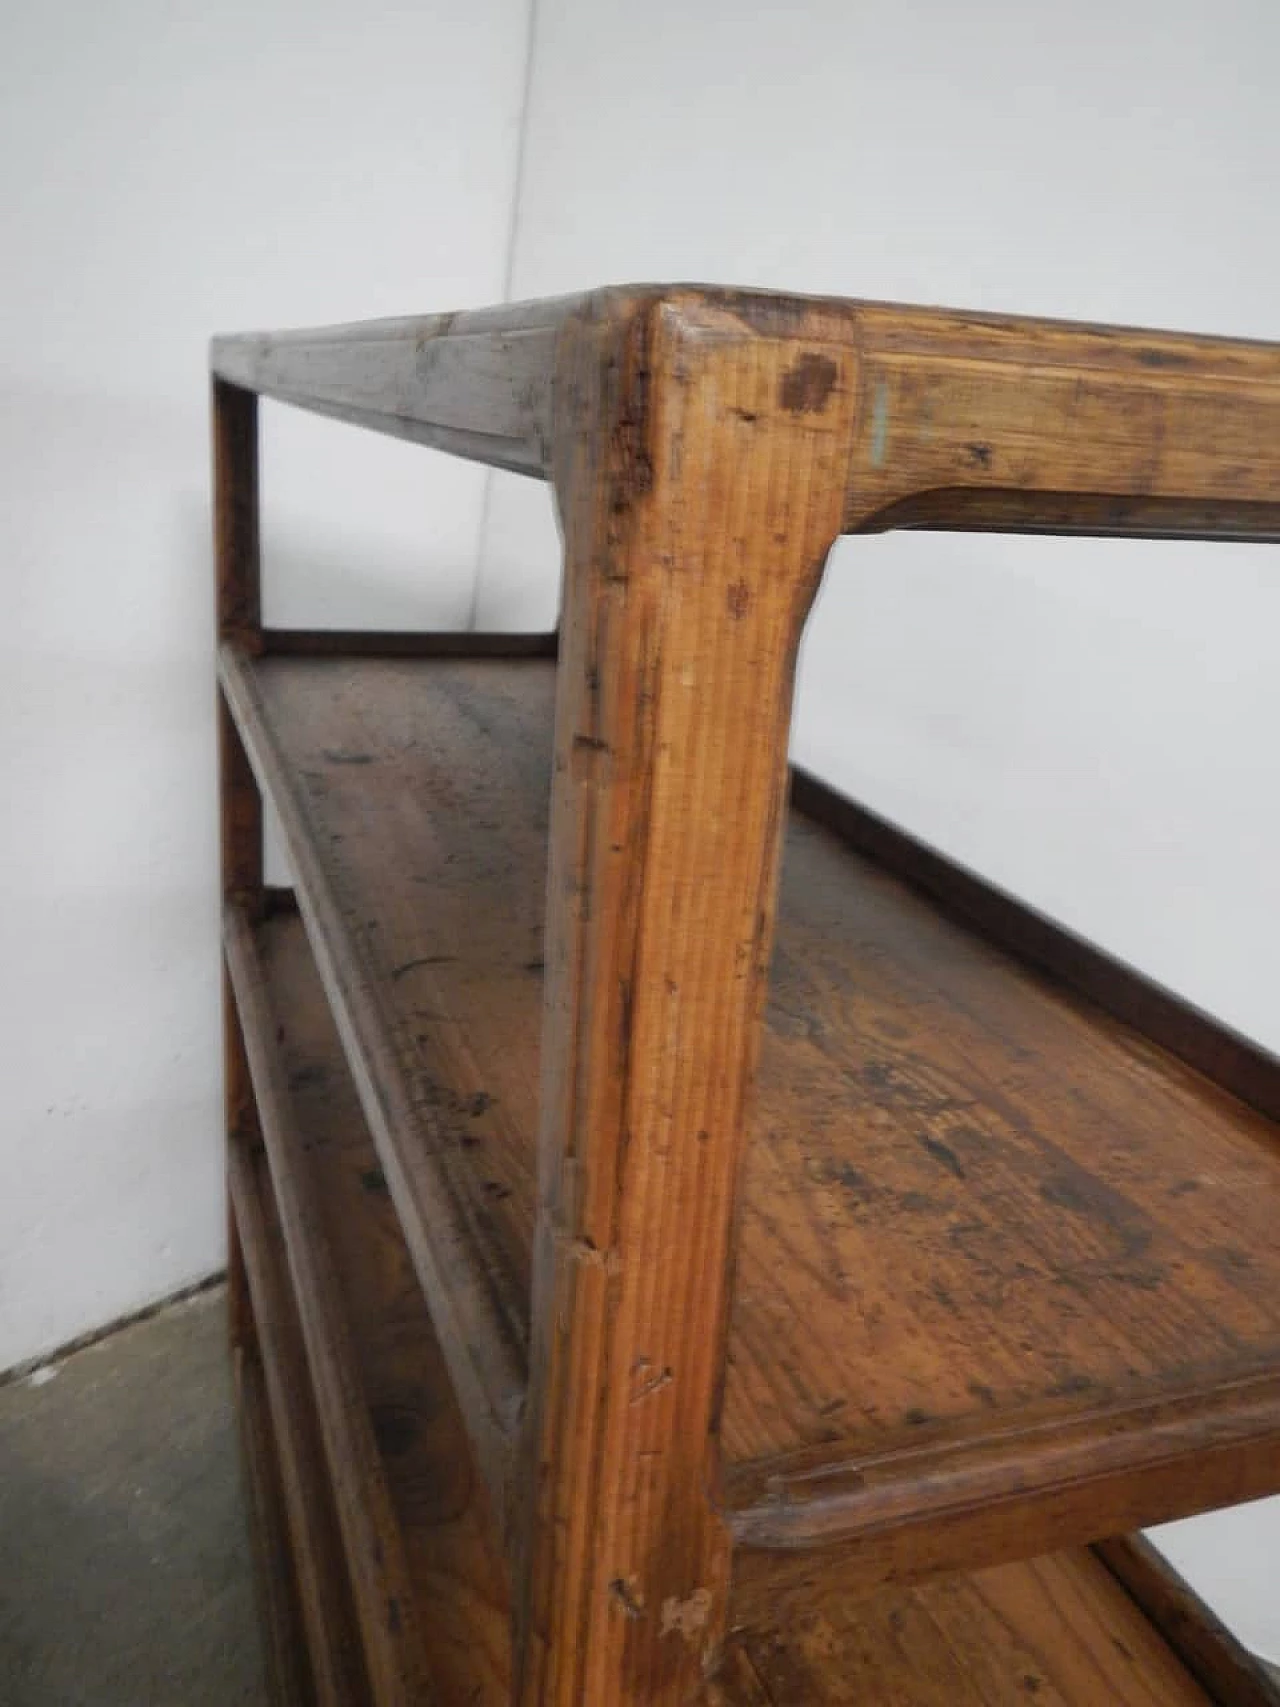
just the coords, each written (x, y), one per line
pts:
(482, 1333)
(381, 1589)
(1220, 1663)
(1012, 1496)
(963, 420)
(1227, 1057)
(477, 384)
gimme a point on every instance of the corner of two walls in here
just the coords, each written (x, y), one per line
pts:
(167, 174)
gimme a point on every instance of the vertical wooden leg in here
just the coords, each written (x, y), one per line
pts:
(238, 580)
(694, 544)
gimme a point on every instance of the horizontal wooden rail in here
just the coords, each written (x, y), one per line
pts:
(1132, 1455)
(477, 384)
(975, 422)
(381, 1586)
(407, 643)
(333, 1643)
(1002, 423)
(484, 1337)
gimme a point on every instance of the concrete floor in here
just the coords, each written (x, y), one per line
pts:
(125, 1573)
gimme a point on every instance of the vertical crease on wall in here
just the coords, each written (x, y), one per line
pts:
(508, 278)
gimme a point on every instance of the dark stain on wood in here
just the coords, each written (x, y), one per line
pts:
(738, 599)
(941, 1152)
(808, 383)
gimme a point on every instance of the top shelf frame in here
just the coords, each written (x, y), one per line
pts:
(958, 420)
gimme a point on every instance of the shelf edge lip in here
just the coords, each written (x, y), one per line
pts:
(327, 1614)
(483, 1347)
(386, 1613)
(284, 1643)
(1228, 1672)
(1236, 1064)
(406, 644)
(816, 1500)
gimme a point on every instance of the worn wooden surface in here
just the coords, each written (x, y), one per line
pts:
(1230, 1060)
(388, 1614)
(974, 1204)
(284, 1643)
(237, 567)
(457, 1572)
(699, 490)
(1229, 1673)
(1002, 422)
(1057, 1630)
(475, 1286)
(335, 1657)
(976, 421)
(476, 384)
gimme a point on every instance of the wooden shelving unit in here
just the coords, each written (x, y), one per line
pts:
(688, 1245)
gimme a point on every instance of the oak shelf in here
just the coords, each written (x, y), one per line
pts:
(690, 1242)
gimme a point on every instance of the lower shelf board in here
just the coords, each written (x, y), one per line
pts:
(457, 1575)
(1058, 1631)
(284, 1650)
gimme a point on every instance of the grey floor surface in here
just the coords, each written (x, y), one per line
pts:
(125, 1573)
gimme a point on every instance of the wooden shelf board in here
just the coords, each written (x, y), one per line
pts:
(456, 1571)
(284, 1646)
(324, 1591)
(995, 1247)
(1058, 1630)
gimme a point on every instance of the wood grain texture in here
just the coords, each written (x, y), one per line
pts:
(1086, 1232)
(335, 1659)
(1225, 1669)
(476, 384)
(994, 1267)
(698, 488)
(963, 420)
(238, 603)
(410, 1049)
(458, 1575)
(1055, 1631)
(1237, 1063)
(284, 1645)
(236, 540)
(388, 1615)
(1005, 423)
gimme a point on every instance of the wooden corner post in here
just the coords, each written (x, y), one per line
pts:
(237, 571)
(699, 465)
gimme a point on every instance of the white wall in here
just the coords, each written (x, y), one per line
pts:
(168, 169)
(1092, 725)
